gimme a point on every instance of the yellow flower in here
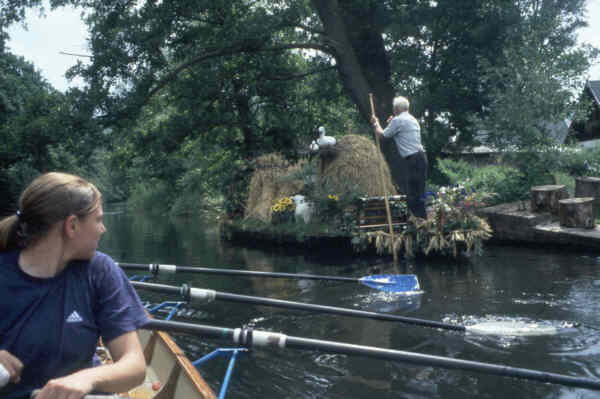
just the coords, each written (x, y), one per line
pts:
(333, 197)
(284, 204)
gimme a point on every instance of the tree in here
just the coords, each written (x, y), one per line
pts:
(535, 89)
(244, 76)
(539, 80)
(41, 129)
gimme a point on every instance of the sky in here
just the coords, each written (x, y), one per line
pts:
(63, 30)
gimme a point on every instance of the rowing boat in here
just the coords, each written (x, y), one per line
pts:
(169, 373)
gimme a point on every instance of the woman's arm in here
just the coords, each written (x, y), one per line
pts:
(127, 371)
(11, 365)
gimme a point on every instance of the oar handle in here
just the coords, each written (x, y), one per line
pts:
(250, 337)
(204, 296)
(158, 268)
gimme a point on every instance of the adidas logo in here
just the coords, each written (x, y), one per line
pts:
(74, 317)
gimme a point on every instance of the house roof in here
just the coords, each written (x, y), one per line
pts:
(594, 87)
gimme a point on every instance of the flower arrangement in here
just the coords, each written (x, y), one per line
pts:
(451, 226)
(285, 204)
(460, 197)
(283, 210)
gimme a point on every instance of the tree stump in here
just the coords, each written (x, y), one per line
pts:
(545, 198)
(577, 212)
(588, 187)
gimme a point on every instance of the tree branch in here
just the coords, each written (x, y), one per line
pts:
(242, 48)
(299, 76)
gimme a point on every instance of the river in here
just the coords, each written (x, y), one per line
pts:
(546, 286)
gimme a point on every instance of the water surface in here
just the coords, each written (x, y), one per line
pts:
(548, 286)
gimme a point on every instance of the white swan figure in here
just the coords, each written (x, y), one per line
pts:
(325, 141)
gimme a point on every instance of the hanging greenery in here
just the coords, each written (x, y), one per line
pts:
(450, 228)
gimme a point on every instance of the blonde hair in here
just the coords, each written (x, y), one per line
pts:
(49, 199)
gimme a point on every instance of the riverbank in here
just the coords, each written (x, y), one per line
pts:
(515, 223)
(278, 236)
(511, 223)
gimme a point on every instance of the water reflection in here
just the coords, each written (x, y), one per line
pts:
(507, 283)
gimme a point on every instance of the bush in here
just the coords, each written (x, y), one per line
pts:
(512, 180)
(504, 181)
(191, 190)
(153, 196)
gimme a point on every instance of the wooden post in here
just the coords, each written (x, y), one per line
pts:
(577, 212)
(381, 178)
(588, 187)
(545, 198)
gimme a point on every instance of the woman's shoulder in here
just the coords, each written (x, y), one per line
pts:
(102, 263)
(103, 271)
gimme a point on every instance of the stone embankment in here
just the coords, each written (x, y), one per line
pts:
(516, 223)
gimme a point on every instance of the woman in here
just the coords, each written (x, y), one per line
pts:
(58, 295)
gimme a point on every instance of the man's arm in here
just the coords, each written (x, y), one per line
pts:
(377, 126)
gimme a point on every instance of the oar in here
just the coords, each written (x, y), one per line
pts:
(200, 295)
(203, 296)
(258, 338)
(35, 392)
(383, 282)
(382, 183)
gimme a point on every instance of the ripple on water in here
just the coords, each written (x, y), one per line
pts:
(504, 334)
(583, 341)
(388, 302)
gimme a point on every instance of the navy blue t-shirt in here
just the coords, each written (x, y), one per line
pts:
(52, 324)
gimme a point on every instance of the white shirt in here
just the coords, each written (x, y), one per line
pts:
(405, 130)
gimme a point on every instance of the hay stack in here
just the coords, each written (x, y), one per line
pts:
(355, 162)
(270, 182)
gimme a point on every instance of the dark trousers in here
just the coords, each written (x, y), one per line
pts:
(416, 175)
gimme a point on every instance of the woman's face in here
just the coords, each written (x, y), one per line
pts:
(90, 229)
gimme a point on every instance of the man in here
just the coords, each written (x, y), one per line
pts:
(405, 130)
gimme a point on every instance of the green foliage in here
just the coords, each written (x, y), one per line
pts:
(505, 182)
(40, 129)
(576, 161)
(513, 178)
(539, 78)
(191, 190)
(566, 180)
(153, 196)
(188, 93)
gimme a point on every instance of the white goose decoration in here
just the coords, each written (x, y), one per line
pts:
(325, 141)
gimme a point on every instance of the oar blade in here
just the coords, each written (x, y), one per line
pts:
(392, 282)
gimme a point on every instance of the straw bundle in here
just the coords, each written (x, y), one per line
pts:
(356, 164)
(270, 182)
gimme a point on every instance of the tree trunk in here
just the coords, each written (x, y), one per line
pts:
(577, 212)
(364, 67)
(588, 187)
(546, 198)
(360, 55)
